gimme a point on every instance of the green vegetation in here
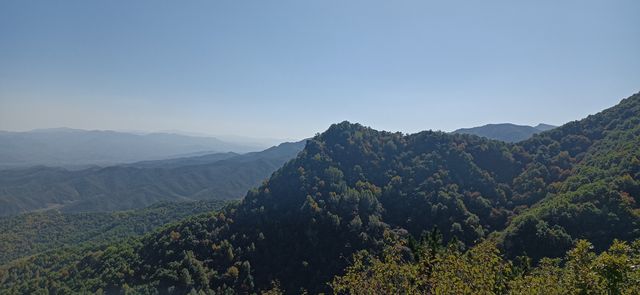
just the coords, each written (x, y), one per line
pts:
(32, 233)
(138, 185)
(354, 188)
(431, 268)
(590, 176)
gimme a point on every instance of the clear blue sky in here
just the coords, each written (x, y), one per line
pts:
(288, 69)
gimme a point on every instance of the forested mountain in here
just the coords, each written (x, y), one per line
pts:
(216, 176)
(506, 132)
(583, 182)
(31, 233)
(74, 148)
(353, 188)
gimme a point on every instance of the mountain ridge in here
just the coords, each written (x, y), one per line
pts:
(507, 132)
(136, 185)
(69, 147)
(354, 188)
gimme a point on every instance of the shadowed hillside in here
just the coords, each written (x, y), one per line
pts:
(354, 188)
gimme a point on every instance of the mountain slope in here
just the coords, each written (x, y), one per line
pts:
(218, 176)
(77, 148)
(506, 132)
(355, 188)
(344, 192)
(183, 161)
(588, 173)
(31, 233)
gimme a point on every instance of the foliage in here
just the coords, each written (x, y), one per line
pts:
(481, 270)
(355, 189)
(139, 185)
(32, 233)
(596, 198)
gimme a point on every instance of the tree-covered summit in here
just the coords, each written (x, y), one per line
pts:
(354, 188)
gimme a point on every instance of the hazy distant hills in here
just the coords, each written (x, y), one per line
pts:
(354, 188)
(506, 132)
(77, 148)
(184, 161)
(136, 185)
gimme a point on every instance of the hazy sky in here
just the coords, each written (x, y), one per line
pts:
(288, 69)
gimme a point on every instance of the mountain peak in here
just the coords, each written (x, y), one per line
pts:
(544, 127)
(354, 188)
(507, 132)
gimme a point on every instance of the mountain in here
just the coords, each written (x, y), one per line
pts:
(81, 148)
(583, 183)
(353, 188)
(184, 161)
(544, 127)
(32, 233)
(506, 132)
(137, 185)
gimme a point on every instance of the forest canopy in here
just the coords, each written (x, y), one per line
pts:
(559, 211)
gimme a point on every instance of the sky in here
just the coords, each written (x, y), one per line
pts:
(289, 69)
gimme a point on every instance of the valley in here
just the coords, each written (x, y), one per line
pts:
(458, 199)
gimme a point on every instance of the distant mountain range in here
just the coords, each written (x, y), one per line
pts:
(75, 148)
(80, 149)
(506, 132)
(434, 213)
(136, 185)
